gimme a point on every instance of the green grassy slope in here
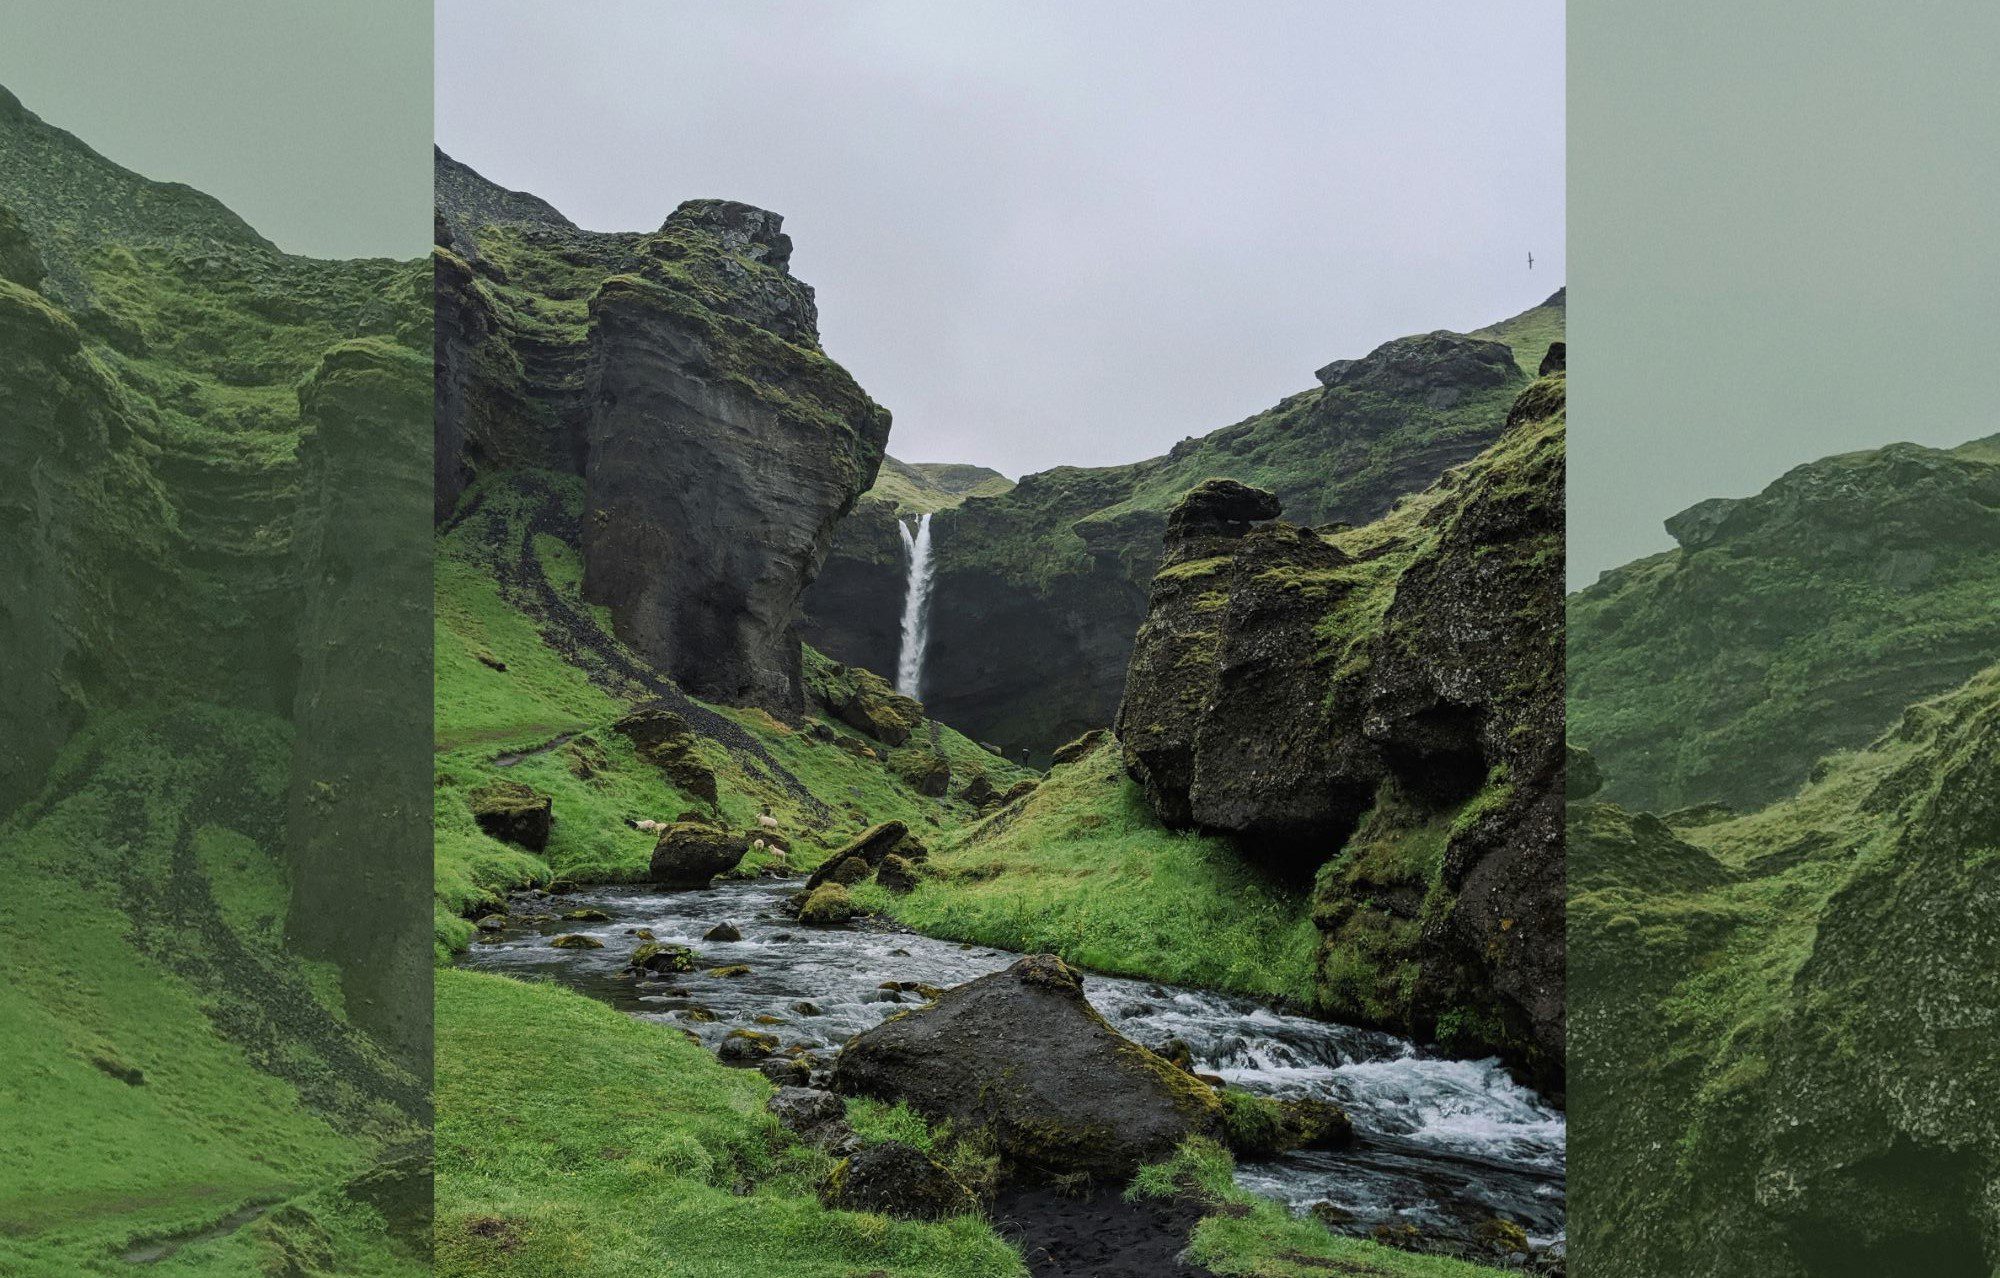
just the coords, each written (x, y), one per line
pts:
(1798, 997)
(1082, 868)
(1803, 624)
(574, 1140)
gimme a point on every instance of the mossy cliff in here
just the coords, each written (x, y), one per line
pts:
(1782, 1061)
(679, 372)
(1788, 625)
(1041, 586)
(215, 1044)
(1380, 708)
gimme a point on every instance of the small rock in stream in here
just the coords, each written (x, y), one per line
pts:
(722, 932)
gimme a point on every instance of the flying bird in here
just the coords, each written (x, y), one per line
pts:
(1531, 261)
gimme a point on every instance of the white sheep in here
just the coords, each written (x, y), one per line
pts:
(649, 825)
(767, 822)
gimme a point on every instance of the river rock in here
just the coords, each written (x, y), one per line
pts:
(746, 1047)
(690, 855)
(722, 933)
(660, 959)
(513, 813)
(576, 941)
(786, 1071)
(1022, 1054)
(895, 1179)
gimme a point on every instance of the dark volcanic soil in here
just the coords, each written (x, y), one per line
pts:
(1099, 1235)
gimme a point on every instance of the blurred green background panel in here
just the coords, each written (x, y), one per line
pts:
(215, 620)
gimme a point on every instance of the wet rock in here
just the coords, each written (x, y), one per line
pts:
(491, 922)
(576, 941)
(805, 1007)
(587, 916)
(894, 1179)
(1176, 1052)
(729, 971)
(1022, 1055)
(699, 1015)
(786, 1071)
(513, 813)
(1316, 1124)
(722, 932)
(828, 906)
(660, 959)
(690, 856)
(745, 1048)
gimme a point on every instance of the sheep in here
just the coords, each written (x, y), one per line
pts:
(767, 822)
(649, 825)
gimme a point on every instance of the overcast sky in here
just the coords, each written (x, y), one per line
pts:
(309, 120)
(1056, 232)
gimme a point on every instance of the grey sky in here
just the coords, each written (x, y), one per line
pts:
(1056, 232)
(310, 120)
(1784, 228)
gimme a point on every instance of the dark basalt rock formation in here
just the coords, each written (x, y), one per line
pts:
(1040, 588)
(1816, 1094)
(1788, 625)
(513, 813)
(1022, 1055)
(680, 373)
(1387, 699)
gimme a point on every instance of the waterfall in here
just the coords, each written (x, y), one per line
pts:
(916, 607)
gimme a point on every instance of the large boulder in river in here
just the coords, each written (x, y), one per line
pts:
(688, 855)
(1022, 1055)
(513, 813)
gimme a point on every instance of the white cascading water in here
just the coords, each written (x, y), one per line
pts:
(916, 607)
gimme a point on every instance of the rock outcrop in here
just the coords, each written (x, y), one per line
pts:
(680, 373)
(1788, 625)
(689, 855)
(1040, 587)
(1382, 708)
(1022, 1055)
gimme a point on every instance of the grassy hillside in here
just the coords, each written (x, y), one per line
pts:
(1788, 625)
(1082, 868)
(1780, 1061)
(185, 406)
(530, 680)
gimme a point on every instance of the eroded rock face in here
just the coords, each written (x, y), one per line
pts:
(721, 454)
(679, 372)
(1389, 700)
(1022, 1054)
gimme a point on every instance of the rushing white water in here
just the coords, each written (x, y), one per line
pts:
(1444, 1144)
(916, 607)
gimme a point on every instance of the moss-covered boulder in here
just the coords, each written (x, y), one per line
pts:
(689, 855)
(660, 959)
(849, 871)
(1071, 751)
(870, 846)
(513, 813)
(895, 1179)
(1022, 1055)
(722, 933)
(744, 1048)
(664, 739)
(576, 941)
(866, 702)
(896, 874)
(828, 905)
(925, 771)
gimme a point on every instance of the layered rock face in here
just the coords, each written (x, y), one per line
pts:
(1381, 707)
(1039, 589)
(679, 373)
(1782, 1062)
(1788, 625)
